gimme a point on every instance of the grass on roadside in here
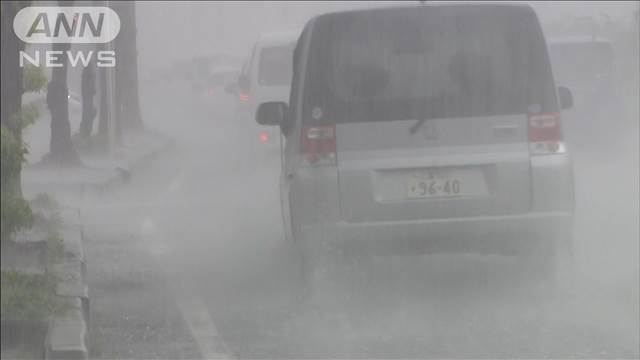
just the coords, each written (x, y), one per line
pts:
(29, 296)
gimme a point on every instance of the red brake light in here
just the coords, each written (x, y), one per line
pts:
(319, 144)
(244, 96)
(264, 137)
(545, 134)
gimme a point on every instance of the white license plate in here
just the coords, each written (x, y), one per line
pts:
(448, 184)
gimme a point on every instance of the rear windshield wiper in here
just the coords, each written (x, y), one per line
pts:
(424, 114)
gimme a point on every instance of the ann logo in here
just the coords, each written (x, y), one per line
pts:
(41, 25)
(66, 24)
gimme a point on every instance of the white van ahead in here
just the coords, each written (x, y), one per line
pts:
(265, 78)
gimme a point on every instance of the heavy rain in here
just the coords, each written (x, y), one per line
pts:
(323, 179)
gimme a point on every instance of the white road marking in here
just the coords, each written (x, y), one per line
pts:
(193, 310)
(202, 328)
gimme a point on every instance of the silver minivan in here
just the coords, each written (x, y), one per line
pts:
(420, 129)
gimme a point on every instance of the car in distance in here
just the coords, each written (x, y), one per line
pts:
(220, 78)
(586, 64)
(266, 77)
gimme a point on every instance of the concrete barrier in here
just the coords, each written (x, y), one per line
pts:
(67, 334)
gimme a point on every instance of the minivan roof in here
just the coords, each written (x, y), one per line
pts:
(483, 3)
(501, 4)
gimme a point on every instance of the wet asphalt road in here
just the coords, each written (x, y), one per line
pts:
(208, 212)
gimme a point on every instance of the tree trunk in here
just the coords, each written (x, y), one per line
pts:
(61, 150)
(104, 112)
(88, 108)
(128, 105)
(134, 98)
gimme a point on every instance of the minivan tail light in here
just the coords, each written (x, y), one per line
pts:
(244, 96)
(545, 134)
(318, 145)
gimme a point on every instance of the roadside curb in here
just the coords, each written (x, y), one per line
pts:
(129, 167)
(67, 333)
(96, 182)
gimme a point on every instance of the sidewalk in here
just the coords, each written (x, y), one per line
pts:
(67, 334)
(62, 334)
(98, 175)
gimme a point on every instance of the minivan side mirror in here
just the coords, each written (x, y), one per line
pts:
(565, 97)
(271, 113)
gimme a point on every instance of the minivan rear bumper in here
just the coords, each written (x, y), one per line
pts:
(483, 234)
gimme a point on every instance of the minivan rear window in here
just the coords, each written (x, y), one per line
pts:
(275, 68)
(427, 62)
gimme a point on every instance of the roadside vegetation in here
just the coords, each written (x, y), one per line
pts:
(28, 297)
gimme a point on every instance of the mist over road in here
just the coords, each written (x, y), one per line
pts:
(208, 213)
